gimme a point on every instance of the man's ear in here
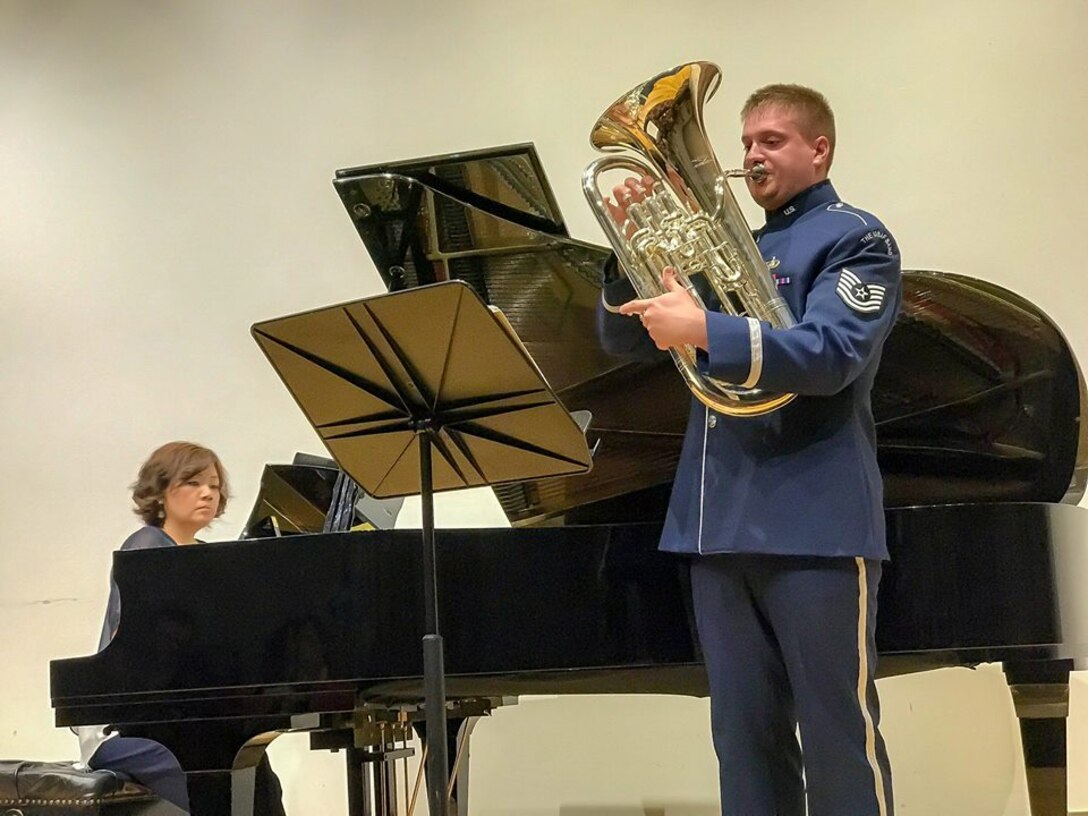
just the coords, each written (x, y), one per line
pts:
(822, 152)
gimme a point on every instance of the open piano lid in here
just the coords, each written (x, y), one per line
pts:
(978, 398)
(297, 498)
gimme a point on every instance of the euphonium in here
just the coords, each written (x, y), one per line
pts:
(691, 221)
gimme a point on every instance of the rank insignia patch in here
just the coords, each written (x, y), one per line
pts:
(861, 297)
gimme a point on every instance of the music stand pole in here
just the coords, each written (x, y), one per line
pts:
(464, 388)
(434, 673)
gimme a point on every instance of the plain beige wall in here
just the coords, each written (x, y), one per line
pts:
(164, 183)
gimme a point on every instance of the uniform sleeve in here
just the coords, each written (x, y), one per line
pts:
(620, 335)
(850, 309)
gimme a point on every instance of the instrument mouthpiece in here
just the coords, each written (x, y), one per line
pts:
(757, 173)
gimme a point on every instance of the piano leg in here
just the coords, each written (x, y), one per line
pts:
(209, 791)
(1040, 694)
(219, 793)
(223, 779)
(357, 783)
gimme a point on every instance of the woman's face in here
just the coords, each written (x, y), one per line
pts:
(193, 502)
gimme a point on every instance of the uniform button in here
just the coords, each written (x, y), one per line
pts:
(712, 421)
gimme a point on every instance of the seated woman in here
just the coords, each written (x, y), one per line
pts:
(179, 491)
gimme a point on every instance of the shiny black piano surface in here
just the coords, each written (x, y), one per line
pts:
(978, 403)
(242, 630)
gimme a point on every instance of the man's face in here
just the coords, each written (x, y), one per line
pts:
(773, 138)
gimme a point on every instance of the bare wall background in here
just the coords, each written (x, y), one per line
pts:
(164, 183)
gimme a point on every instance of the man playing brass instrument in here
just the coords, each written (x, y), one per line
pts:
(782, 514)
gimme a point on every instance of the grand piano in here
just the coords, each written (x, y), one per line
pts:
(979, 405)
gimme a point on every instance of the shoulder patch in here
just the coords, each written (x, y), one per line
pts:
(867, 298)
(872, 236)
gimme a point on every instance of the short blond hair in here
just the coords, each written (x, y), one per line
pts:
(171, 463)
(814, 113)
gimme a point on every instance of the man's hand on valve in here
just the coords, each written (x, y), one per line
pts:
(673, 318)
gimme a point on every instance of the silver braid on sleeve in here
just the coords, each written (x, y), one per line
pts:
(608, 307)
(755, 339)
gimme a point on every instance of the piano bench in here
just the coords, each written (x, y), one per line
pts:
(62, 789)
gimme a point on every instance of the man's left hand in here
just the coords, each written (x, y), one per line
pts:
(673, 318)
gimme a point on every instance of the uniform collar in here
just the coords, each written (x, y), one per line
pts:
(819, 194)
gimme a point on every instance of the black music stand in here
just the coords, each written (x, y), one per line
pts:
(387, 380)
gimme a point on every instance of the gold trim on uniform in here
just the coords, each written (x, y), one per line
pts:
(863, 682)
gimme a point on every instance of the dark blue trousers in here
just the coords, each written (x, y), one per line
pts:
(789, 643)
(147, 762)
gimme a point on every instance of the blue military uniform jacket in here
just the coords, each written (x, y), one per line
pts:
(802, 480)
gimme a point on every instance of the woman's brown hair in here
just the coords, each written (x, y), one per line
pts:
(172, 463)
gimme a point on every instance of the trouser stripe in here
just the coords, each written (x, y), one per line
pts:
(863, 684)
